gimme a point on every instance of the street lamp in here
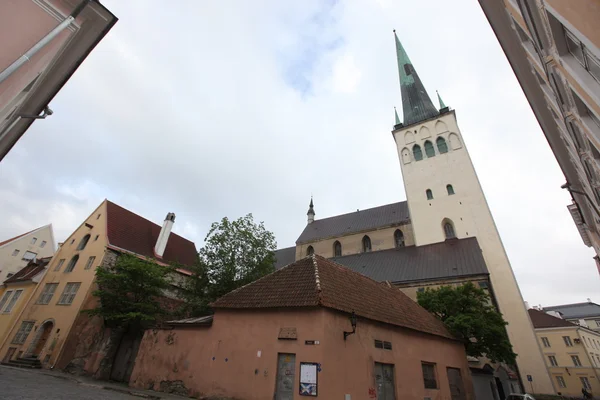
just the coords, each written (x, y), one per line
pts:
(353, 322)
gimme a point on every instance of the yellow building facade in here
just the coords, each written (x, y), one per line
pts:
(571, 353)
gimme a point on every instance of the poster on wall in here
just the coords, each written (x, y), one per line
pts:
(308, 379)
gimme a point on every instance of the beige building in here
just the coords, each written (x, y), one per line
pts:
(51, 330)
(443, 234)
(571, 352)
(16, 252)
(553, 47)
(43, 43)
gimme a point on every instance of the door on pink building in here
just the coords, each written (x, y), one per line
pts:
(457, 389)
(286, 372)
(384, 379)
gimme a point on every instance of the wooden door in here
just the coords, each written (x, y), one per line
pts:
(457, 389)
(286, 373)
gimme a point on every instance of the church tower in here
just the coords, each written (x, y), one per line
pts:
(446, 201)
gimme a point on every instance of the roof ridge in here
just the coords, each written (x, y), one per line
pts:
(572, 304)
(317, 279)
(7, 241)
(359, 210)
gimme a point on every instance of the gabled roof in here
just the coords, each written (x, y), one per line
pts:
(20, 236)
(576, 310)
(129, 231)
(358, 221)
(30, 271)
(315, 281)
(451, 258)
(540, 319)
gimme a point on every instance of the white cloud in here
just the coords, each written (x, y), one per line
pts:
(346, 74)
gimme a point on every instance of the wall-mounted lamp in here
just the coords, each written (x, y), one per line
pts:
(571, 190)
(353, 322)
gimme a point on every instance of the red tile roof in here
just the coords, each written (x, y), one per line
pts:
(315, 281)
(16, 237)
(131, 232)
(540, 319)
(28, 272)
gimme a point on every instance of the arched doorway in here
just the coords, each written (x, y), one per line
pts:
(40, 339)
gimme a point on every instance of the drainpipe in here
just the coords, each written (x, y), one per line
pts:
(43, 42)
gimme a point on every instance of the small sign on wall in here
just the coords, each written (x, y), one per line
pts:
(308, 379)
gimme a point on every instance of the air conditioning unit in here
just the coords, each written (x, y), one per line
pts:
(577, 341)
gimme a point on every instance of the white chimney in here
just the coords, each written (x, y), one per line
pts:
(163, 237)
(527, 305)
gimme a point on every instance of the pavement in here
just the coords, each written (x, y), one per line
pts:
(30, 384)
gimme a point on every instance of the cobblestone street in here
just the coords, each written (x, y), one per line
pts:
(16, 384)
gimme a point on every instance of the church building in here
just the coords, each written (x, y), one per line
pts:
(444, 233)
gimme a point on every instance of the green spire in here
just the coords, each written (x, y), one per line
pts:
(416, 104)
(442, 105)
(397, 119)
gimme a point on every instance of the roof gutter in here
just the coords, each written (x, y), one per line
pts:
(43, 42)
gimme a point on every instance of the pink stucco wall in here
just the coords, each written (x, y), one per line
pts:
(22, 24)
(237, 356)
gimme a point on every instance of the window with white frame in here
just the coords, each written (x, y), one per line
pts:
(29, 255)
(545, 342)
(13, 301)
(15, 252)
(5, 298)
(23, 332)
(553, 361)
(68, 294)
(90, 262)
(585, 382)
(576, 361)
(47, 293)
(582, 54)
(561, 381)
(567, 340)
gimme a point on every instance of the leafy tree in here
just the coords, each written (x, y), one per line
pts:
(468, 313)
(129, 292)
(234, 254)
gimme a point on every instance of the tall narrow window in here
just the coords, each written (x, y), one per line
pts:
(585, 382)
(429, 378)
(13, 301)
(366, 242)
(69, 293)
(5, 298)
(72, 263)
(417, 152)
(576, 361)
(441, 145)
(90, 262)
(567, 340)
(83, 242)
(561, 381)
(429, 150)
(449, 230)
(60, 264)
(545, 342)
(429, 194)
(310, 251)
(553, 361)
(23, 332)
(450, 190)
(337, 249)
(399, 238)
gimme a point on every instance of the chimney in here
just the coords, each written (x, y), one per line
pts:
(163, 237)
(527, 305)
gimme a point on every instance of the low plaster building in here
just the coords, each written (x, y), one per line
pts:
(290, 334)
(571, 352)
(52, 328)
(16, 252)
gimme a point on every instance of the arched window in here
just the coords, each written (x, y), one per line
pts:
(337, 249)
(72, 263)
(83, 242)
(449, 230)
(429, 194)
(450, 190)
(310, 251)
(399, 238)
(366, 242)
(441, 145)
(417, 152)
(429, 150)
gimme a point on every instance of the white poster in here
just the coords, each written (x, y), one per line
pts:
(308, 373)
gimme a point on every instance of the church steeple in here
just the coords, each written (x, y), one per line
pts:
(416, 104)
(396, 115)
(311, 212)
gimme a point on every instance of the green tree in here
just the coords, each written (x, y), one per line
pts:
(468, 313)
(129, 292)
(234, 254)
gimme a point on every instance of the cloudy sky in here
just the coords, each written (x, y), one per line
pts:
(212, 109)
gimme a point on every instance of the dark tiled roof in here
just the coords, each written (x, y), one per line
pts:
(452, 258)
(540, 319)
(315, 281)
(30, 271)
(129, 231)
(577, 310)
(285, 256)
(358, 221)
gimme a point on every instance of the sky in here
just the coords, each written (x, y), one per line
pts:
(214, 109)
